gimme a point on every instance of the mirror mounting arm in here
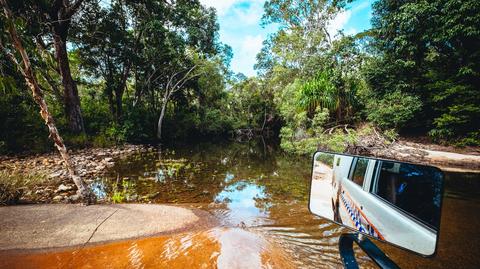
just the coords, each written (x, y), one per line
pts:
(347, 254)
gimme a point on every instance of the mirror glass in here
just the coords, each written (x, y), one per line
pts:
(392, 201)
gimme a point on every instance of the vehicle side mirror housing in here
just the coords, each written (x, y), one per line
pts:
(396, 202)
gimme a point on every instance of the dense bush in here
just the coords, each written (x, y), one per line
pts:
(21, 125)
(393, 110)
(430, 49)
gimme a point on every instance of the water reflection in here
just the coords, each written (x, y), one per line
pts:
(244, 186)
(259, 196)
(214, 248)
(244, 204)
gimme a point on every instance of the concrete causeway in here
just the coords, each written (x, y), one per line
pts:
(28, 227)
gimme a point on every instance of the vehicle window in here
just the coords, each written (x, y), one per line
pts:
(415, 189)
(358, 174)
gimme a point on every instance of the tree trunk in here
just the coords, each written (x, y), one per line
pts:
(37, 93)
(121, 89)
(71, 98)
(119, 109)
(160, 120)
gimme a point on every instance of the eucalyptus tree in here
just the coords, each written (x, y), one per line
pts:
(171, 33)
(49, 23)
(323, 68)
(107, 40)
(303, 37)
(145, 46)
(16, 52)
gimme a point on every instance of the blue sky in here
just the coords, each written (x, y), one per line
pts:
(240, 27)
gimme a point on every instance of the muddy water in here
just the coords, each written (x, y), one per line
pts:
(218, 247)
(259, 197)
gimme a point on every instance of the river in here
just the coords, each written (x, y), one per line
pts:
(258, 195)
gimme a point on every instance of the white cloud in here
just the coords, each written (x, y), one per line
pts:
(250, 15)
(339, 22)
(240, 28)
(251, 10)
(245, 57)
(343, 18)
(221, 6)
(252, 44)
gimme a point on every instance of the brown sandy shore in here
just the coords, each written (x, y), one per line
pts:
(448, 161)
(447, 158)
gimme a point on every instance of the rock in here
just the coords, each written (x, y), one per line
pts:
(100, 167)
(57, 198)
(132, 198)
(55, 174)
(74, 198)
(107, 160)
(62, 188)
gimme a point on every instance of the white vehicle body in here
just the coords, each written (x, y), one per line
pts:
(355, 206)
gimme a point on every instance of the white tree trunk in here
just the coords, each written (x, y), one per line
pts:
(160, 120)
(37, 93)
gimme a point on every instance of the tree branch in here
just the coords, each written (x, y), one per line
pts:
(73, 8)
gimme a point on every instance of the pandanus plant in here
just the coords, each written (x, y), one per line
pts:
(328, 90)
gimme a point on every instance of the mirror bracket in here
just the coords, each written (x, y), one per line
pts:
(347, 254)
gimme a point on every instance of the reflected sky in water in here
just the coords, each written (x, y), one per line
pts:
(255, 187)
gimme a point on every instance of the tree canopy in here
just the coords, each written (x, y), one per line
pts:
(139, 70)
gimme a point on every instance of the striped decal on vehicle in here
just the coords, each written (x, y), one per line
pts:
(356, 216)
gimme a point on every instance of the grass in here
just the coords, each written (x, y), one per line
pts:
(13, 185)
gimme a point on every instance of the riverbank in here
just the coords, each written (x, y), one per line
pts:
(42, 178)
(48, 181)
(446, 158)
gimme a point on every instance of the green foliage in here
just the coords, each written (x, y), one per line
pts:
(394, 110)
(318, 92)
(122, 57)
(314, 77)
(419, 67)
(251, 104)
(319, 120)
(336, 142)
(390, 134)
(21, 125)
(322, 91)
(122, 193)
(430, 49)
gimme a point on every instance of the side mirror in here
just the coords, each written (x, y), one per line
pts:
(399, 203)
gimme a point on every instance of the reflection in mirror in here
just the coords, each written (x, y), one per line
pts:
(391, 201)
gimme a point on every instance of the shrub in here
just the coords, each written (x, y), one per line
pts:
(394, 110)
(459, 125)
